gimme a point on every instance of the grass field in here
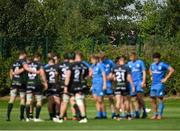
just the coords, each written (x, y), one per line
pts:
(171, 120)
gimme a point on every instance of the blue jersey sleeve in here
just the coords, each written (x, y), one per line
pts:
(102, 68)
(143, 66)
(166, 66)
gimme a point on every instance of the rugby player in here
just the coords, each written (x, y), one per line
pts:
(34, 89)
(18, 83)
(76, 78)
(108, 65)
(121, 74)
(138, 71)
(98, 86)
(52, 92)
(160, 72)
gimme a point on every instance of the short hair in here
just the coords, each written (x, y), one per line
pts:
(122, 57)
(65, 56)
(156, 55)
(22, 52)
(37, 55)
(71, 55)
(94, 57)
(79, 54)
(117, 59)
(51, 59)
(102, 55)
(133, 53)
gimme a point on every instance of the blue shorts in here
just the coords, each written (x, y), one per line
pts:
(157, 90)
(138, 88)
(109, 90)
(97, 89)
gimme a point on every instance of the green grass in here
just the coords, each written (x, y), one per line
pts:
(171, 120)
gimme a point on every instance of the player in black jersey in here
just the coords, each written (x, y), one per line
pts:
(53, 91)
(18, 84)
(73, 86)
(33, 88)
(121, 75)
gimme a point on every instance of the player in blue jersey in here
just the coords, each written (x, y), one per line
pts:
(98, 85)
(138, 71)
(108, 65)
(160, 72)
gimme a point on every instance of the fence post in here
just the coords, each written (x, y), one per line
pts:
(46, 48)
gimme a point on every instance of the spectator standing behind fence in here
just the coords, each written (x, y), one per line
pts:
(132, 40)
(113, 39)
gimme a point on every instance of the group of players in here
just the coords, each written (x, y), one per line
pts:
(66, 81)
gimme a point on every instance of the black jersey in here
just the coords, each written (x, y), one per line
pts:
(62, 68)
(79, 73)
(18, 80)
(32, 78)
(121, 73)
(51, 74)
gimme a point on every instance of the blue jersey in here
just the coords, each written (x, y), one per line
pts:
(108, 65)
(97, 69)
(137, 67)
(158, 71)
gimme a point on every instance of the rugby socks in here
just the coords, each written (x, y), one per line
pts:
(28, 111)
(9, 109)
(160, 108)
(132, 114)
(38, 110)
(99, 114)
(78, 113)
(51, 115)
(137, 114)
(31, 115)
(22, 107)
(123, 115)
(113, 114)
(104, 114)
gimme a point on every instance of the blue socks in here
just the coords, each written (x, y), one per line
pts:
(104, 114)
(137, 114)
(99, 114)
(160, 108)
(113, 114)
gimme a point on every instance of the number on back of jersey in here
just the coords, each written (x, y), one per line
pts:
(120, 76)
(32, 75)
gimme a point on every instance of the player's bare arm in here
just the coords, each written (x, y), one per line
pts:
(67, 80)
(27, 68)
(144, 79)
(129, 78)
(104, 80)
(170, 72)
(43, 78)
(11, 74)
(18, 71)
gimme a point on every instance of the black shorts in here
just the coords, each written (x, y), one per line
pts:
(75, 88)
(20, 88)
(52, 90)
(60, 87)
(122, 91)
(35, 89)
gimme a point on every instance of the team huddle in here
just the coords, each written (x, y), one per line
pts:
(71, 79)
